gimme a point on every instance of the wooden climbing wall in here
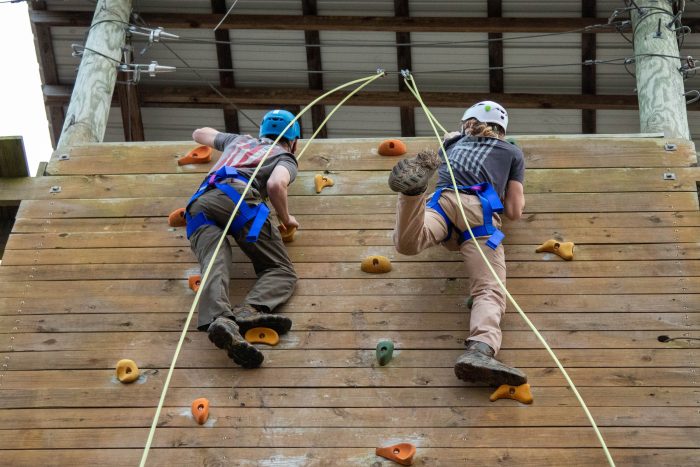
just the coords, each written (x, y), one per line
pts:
(93, 274)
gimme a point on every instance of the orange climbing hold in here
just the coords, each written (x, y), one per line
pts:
(262, 336)
(127, 371)
(519, 393)
(376, 264)
(194, 282)
(287, 234)
(199, 155)
(321, 182)
(562, 249)
(392, 147)
(401, 453)
(200, 410)
(177, 218)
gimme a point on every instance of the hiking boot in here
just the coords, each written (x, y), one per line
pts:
(411, 176)
(224, 333)
(247, 317)
(477, 365)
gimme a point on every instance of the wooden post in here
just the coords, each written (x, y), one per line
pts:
(13, 163)
(662, 107)
(86, 118)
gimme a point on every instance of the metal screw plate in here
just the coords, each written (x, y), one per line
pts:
(55, 189)
(670, 147)
(669, 176)
(63, 157)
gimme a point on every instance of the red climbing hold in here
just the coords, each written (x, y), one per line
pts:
(392, 147)
(199, 155)
(194, 282)
(200, 410)
(177, 218)
(401, 453)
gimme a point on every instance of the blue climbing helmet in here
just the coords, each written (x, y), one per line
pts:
(275, 121)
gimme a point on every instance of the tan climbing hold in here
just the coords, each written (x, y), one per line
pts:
(287, 234)
(392, 147)
(376, 264)
(177, 218)
(401, 453)
(199, 155)
(519, 393)
(562, 249)
(200, 410)
(194, 282)
(127, 371)
(321, 182)
(262, 336)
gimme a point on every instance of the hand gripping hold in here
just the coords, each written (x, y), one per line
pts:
(287, 234)
(562, 249)
(401, 453)
(392, 147)
(199, 155)
(321, 182)
(127, 371)
(519, 393)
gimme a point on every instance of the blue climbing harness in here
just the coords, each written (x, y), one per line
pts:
(246, 212)
(490, 203)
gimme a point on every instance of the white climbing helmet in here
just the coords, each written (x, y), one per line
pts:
(487, 112)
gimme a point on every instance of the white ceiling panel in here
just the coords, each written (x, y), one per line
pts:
(364, 122)
(449, 8)
(355, 7)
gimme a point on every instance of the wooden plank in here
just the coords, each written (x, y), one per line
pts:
(435, 417)
(444, 339)
(346, 183)
(358, 321)
(316, 457)
(544, 303)
(355, 204)
(403, 270)
(145, 395)
(215, 437)
(403, 358)
(548, 223)
(355, 154)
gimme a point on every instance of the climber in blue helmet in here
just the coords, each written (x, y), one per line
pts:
(208, 213)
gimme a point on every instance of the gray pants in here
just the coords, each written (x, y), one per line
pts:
(276, 275)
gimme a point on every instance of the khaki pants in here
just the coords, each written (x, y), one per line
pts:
(418, 228)
(276, 275)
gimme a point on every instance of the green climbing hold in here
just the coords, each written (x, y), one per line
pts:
(511, 141)
(470, 302)
(385, 350)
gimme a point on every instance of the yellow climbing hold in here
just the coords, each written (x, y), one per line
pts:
(519, 393)
(562, 249)
(376, 264)
(262, 336)
(321, 182)
(127, 371)
(287, 234)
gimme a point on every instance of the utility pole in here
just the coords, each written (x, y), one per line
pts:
(88, 110)
(660, 89)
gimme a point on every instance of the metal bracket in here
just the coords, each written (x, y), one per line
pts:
(55, 189)
(670, 147)
(63, 157)
(669, 176)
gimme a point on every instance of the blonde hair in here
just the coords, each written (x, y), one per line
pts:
(476, 128)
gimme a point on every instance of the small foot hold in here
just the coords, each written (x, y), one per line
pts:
(177, 218)
(321, 182)
(385, 351)
(200, 410)
(401, 453)
(194, 282)
(519, 393)
(287, 234)
(392, 147)
(563, 249)
(262, 336)
(199, 155)
(127, 371)
(376, 264)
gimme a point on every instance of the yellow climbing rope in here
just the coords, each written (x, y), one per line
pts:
(205, 276)
(410, 83)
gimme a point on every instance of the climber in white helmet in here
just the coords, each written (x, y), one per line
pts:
(490, 173)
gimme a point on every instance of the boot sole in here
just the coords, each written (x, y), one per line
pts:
(407, 177)
(240, 351)
(490, 376)
(280, 324)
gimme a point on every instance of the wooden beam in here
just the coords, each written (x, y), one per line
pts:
(130, 107)
(224, 55)
(495, 10)
(403, 59)
(345, 23)
(588, 73)
(13, 163)
(43, 45)
(313, 63)
(204, 97)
